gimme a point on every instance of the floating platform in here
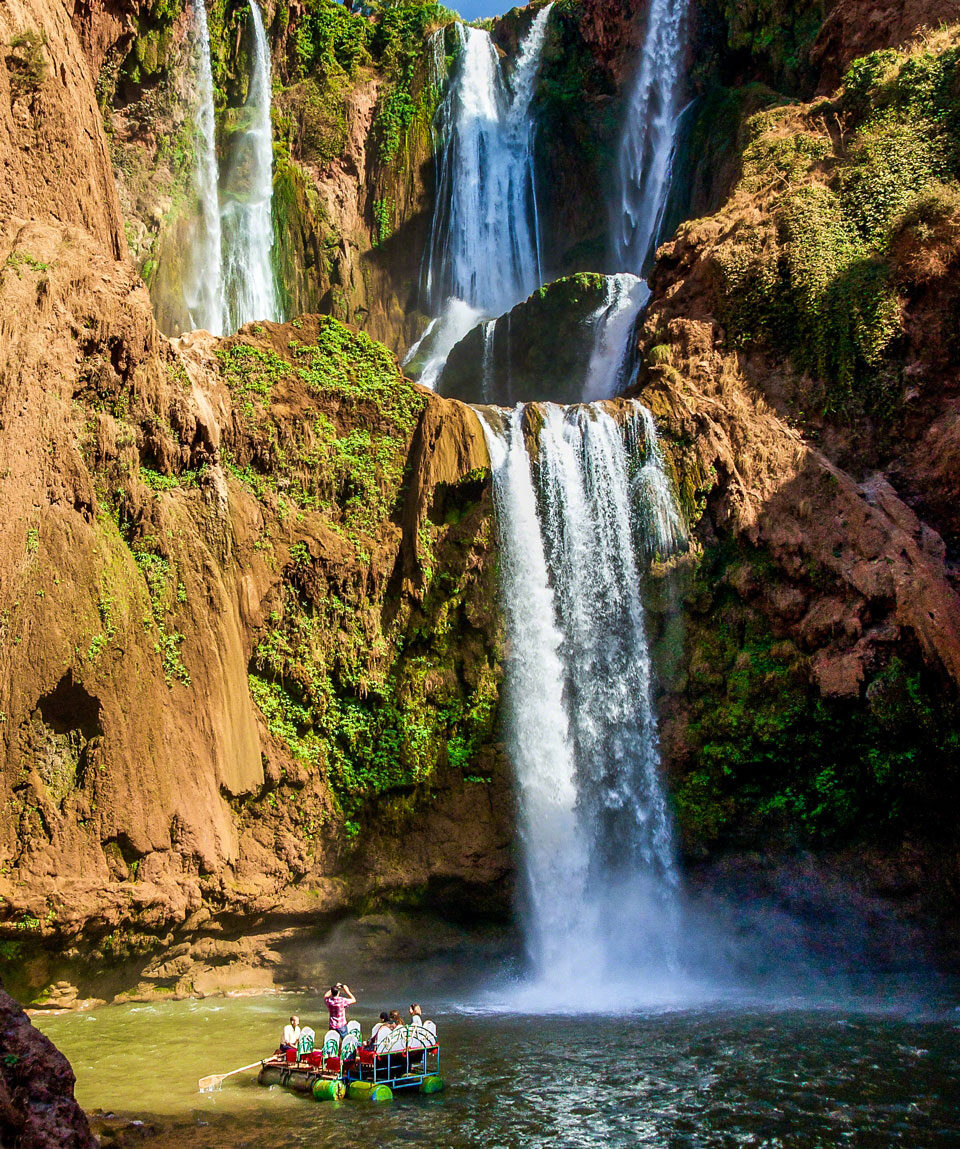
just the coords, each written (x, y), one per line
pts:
(368, 1076)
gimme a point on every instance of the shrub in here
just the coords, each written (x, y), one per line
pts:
(26, 63)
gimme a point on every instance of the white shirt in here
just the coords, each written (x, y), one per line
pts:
(291, 1034)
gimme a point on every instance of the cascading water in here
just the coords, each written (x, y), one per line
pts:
(602, 886)
(555, 852)
(648, 141)
(204, 290)
(653, 494)
(251, 287)
(484, 246)
(613, 324)
(483, 256)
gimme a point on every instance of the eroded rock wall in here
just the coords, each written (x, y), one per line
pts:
(809, 651)
(249, 619)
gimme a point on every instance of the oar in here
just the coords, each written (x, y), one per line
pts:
(214, 1079)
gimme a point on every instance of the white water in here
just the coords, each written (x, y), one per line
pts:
(484, 249)
(204, 289)
(648, 141)
(613, 326)
(251, 287)
(652, 492)
(541, 750)
(601, 879)
(428, 356)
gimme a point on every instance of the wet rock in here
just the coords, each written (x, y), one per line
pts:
(37, 1106)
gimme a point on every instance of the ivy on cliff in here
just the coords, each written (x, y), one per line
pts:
(399, 45)
(769, 754)
(815, 282)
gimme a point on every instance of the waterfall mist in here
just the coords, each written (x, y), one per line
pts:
(203, 284)
(251, 287)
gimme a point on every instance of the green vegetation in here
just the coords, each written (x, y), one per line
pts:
(152, 47)
(816, 283)
(166, 596)
(409, 98)
(355, 475)
(776, 34)
(26, 63)
(18, 259)
(375, 710)
(770, 754)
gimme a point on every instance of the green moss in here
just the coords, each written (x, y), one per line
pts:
(26, 63)
(770, 754)
(376, 706)
(408, 97)
(816, 284)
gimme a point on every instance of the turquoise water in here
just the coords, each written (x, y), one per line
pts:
(705, 1077)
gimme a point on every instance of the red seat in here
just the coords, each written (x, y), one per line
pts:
(332, 1065)
(315, 1058)
(367, 1056)
(291, 1055)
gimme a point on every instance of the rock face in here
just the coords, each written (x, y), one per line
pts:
(814, 663)
(247, 602)
(854, 28)
(538, 351)
(37, 1108)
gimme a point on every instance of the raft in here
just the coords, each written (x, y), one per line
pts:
(363, 1076)
(305, 1079)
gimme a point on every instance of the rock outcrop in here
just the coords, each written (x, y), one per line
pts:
(248, 598)
(37, 1107)
(815, 661)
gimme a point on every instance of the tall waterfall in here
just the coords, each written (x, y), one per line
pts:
(483, 255)
(601, 879)
(204, 289)
(649, 138)
(251, 287)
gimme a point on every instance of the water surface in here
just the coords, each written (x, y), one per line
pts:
(706, 1077)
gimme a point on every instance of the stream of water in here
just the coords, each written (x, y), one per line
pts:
(250, 280)
(483, 255)
(204, 289)
(601, 877)
(649, 137)
(703, 1079)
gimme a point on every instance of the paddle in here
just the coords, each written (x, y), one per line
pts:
(215, 1079)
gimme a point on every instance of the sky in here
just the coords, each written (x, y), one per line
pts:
(474, 9)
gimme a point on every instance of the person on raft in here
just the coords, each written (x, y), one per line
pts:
(416, 1014)
(291, 1034)
(384, 1021)
(338, 997)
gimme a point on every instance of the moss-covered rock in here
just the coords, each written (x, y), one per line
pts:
(538, 351)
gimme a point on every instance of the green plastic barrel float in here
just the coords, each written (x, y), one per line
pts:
(367, 1091)
(329, 1090)
(431, 1084)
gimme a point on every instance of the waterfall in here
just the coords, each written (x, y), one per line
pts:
(203, 291)
(483, 254)
(653, 494)
(649, 137)
(555, 853)
(251, 287)
(613, 326)
(602, 885)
